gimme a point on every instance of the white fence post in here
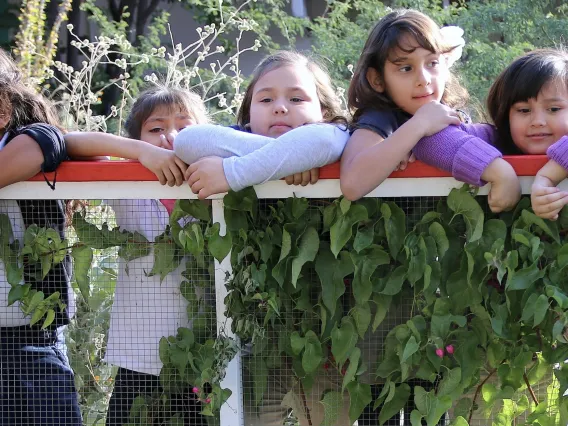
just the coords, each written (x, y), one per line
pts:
(232, 410)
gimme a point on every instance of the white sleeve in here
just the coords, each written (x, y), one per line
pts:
(254, 159)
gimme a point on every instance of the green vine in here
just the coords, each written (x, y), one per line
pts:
(313, 281)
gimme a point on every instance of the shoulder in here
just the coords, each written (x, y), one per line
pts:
(49, 138)
(384, 122)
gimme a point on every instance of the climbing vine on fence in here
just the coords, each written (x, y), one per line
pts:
(481, 301)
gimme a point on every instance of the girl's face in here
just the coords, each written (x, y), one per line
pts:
(411, 79)
(164, 121)
(283, 99)
(539, 122)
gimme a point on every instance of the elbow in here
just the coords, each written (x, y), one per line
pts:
(350, 188)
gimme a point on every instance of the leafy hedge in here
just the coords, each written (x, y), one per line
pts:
(314, 279)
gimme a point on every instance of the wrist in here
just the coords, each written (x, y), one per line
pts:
(497, 170)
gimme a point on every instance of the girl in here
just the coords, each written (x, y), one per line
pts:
(529, 119)
(273, 139)
(274, 136)
(145, 308)
(403, 91)
(37, 384)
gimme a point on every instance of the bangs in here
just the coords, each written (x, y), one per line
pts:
(407, 40)
(171, 102)
(539, 73)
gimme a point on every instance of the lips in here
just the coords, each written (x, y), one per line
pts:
(427, 95)
(279, 124)
(539, 135)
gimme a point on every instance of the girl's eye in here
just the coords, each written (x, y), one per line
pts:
(157, 130)
(296, 100)
(523, 110)
(405, 69)
(265, 100)
(182, 127)
(434, 64)
(555, 109)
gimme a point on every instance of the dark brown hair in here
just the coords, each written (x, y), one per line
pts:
(19, 102)
(384, 38)
(329, 101)
(163, 97)
(522, 80)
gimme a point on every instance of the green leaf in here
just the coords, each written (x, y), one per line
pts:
(395, 226)
(219, 246)
(360, 397)
(362, 316)
(450, 382)
(540, 309)
(462, 203)
(532, 219)
(351, 371)
(313, 353)
(17, 293)
(524, 278)
(562, 256)
(332, 402)
(383, 303)
(439, 234)
(332, 272)
(165, 257)
(342, 229)
(260, 379)
(365, 264)
(192, 239)
(297, 342)
(409, 349)
(343, 340)
(363, 238)
(48, 318)
(307, 250)
(344, 205)
(398, 401)
(395, 281)
(196, 208)
(82, 259)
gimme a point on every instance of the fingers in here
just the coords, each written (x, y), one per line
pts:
(197, 186)
(306, 177)
(289, 179)
(402, 165)
(412, 158)
(166, 143)
(192, 175)
(161, 177)
(170, 179)
(552, 208)
(314, 175)
(297, 178)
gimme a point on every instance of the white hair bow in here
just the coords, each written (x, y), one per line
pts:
(453, 36)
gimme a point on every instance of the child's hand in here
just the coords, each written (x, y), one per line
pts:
(410, 158)
(434, 117)
(207, 177)
(303, 178)
(505, 190)
(164, 164)
(546, 199)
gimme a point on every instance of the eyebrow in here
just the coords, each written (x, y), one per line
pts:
(291, 89)
(162, 119)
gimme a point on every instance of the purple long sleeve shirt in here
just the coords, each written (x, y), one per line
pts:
(559, 152)
(464, 150)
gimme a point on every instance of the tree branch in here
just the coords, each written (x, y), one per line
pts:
(530, 388)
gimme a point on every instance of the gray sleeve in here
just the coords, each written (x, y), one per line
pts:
(253, 159)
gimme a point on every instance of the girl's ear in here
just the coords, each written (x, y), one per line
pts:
(375, 80)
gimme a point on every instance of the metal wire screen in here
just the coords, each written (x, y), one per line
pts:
(140, 312)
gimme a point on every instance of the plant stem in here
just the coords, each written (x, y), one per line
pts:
(477, 394)
(305, 402)
(530, 388)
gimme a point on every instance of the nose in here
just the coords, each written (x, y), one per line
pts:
(537, 118)
(424, 77)
(279, 108)
(172, 133)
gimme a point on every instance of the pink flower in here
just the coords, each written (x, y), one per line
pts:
(440, 352)
(450, 349)
(195, 389)
(208, 401)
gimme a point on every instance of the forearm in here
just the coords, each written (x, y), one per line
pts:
(459, 150)
(82, 145)
(21, 159)
(367, 166)
(296, 151)
(551, 174)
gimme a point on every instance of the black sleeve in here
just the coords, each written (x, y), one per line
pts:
(382, 122)
(50, 140)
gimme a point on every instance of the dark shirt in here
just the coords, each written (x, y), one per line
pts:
(47, 214)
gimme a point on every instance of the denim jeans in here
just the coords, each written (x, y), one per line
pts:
(37, 384)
